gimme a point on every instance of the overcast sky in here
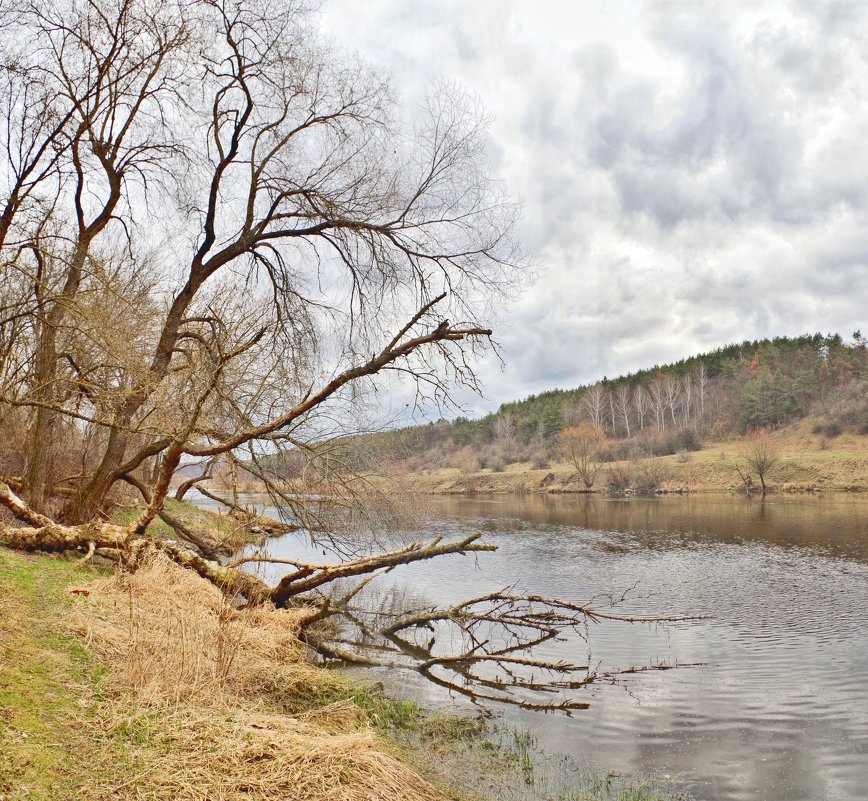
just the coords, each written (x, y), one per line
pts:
(692, 173)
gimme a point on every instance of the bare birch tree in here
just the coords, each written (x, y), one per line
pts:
(594, 401)
(701, 381)
(504, 433)
(623, 403)
(658, 402)
(672, 395)
(687, 391)
(640, 401)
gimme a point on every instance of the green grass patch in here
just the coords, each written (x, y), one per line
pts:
(215, 527)
(48, 682)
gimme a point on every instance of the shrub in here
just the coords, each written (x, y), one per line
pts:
(618, 478)
(649, 474)
(470, 465)
(829, 428)
(540, 460)
(688, 440)
(624, 449)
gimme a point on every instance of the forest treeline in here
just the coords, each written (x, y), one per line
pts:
(661, 410)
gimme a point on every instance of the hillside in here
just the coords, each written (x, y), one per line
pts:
(808, 462)
(809, 391)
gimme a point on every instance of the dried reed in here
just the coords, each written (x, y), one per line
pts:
(216, 703)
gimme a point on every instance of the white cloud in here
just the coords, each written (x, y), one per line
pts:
(692, 174)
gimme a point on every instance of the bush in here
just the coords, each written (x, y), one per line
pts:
(618, 478)
(688, 440)
(649, 474)
(830, 429)
(540, 460)
(663, 445)
(674, 441)
(624, 449)
(607, 453)
(470, 465)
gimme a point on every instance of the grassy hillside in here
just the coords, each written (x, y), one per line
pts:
(702, 405)
(808, 461)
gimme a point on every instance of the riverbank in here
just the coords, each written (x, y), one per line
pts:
(222, 534)
(121, 687)
(808, 462)
(151, 685)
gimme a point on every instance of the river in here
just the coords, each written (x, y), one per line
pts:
(778, 709)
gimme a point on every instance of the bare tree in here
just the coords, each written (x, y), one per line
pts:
(761, 452)
(307, 244)
(623, 402)
(581, 446)
(687, 390)
(658, 402)
(701, 381)
(641, 402)
(593, 402)
(504, 433)
(280, 176)
(672, 395)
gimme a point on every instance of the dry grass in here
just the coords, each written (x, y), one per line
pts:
(807, 460)
(215, 703)
(221, 532)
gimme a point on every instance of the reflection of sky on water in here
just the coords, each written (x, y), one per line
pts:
(780, 710)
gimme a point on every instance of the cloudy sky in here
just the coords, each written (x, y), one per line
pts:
(692, 173)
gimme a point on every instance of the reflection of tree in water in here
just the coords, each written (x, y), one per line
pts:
(485, 648)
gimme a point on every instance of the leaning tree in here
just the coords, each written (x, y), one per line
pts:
(217, 236)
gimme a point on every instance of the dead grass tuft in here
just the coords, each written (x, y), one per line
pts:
(224, 701)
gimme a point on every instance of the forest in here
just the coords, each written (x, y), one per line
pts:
(662, 410)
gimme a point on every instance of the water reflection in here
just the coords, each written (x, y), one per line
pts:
(780, 712)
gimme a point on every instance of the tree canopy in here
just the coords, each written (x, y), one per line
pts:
(216, 231)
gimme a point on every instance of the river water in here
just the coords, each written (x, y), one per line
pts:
(778, 711)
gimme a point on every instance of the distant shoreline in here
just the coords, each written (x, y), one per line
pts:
(806, 464)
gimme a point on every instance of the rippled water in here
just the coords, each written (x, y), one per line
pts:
(779, 709)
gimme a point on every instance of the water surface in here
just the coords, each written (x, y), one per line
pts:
(779, 709)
